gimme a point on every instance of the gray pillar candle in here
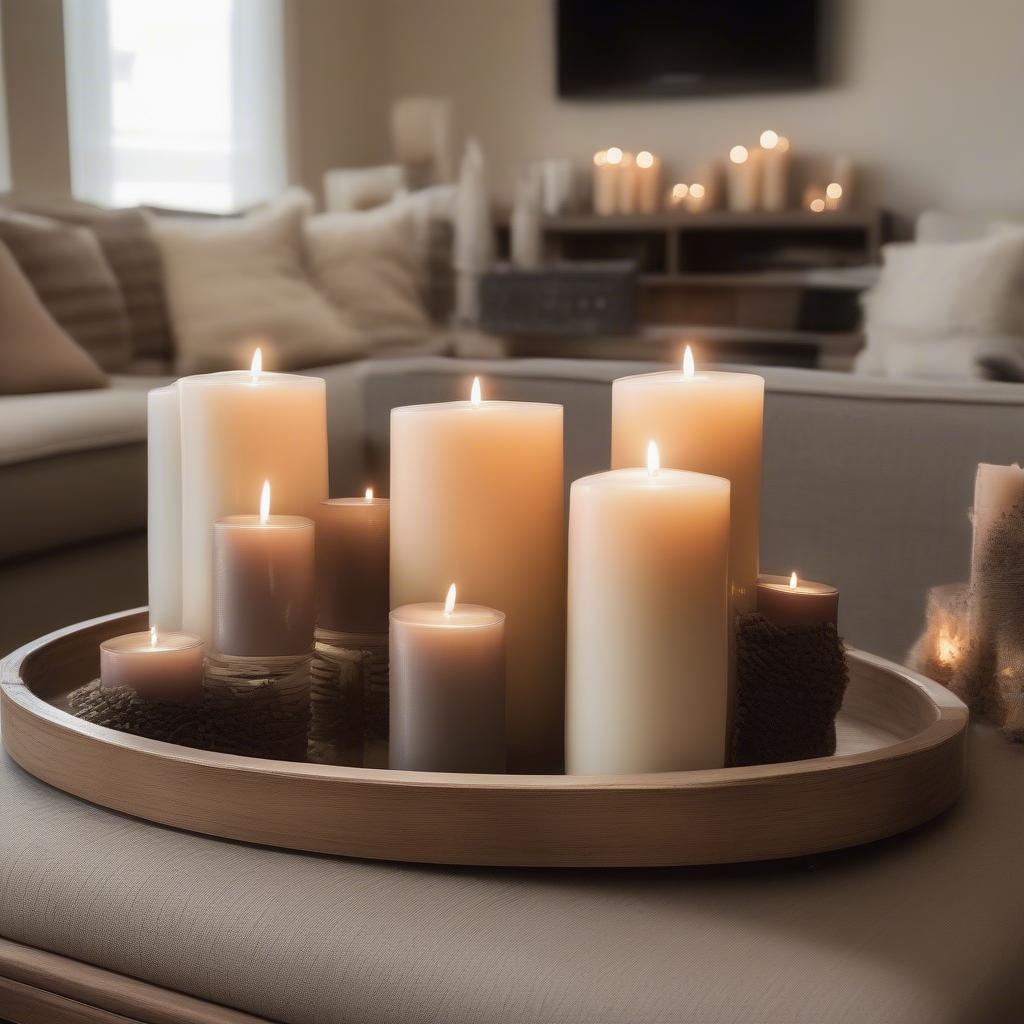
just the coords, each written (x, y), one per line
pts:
(263, 584)
(352, 542)
(447, 688)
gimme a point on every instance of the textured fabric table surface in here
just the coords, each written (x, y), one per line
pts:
(925, 928)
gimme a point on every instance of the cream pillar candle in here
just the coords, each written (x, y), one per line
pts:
(707, 422)
(477, 495)
(696, 198)
(447, 688)
(606, 170)
(237, 430)
(648, 645)
(743, 179)
(165, 666)
(164, 507)
(997, 489)
(774, 171)
(626, 185)
(352, 548)
(791, 601)
(648, 182)
(263, 584)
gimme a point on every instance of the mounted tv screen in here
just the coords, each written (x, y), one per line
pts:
(644, 48)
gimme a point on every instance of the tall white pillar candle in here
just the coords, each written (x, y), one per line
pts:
(606, 172)
(997, 490)
(648, 644)
(648, 182)
(447, 688)
(626, 184)
(477, 496)
(263, 584)
(775, 158)
(706, 422)
(237, 430)
(742, 179)
(163, 535)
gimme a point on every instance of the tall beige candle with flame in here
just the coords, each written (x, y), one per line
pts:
(647, 686)
(477, 495)
(706, 422)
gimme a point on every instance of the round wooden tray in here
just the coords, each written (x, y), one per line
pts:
(900, 762)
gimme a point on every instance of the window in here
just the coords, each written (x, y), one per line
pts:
(176, 104)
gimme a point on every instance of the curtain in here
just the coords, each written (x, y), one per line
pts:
(177, 104)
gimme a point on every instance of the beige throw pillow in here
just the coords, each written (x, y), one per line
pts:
(365, 262)
(35, 353)
(233, 284)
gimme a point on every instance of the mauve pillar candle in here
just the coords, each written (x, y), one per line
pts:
(447, 688)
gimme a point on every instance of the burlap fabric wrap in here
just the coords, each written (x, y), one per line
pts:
(790, 682)
(121, 708)
(336, 699)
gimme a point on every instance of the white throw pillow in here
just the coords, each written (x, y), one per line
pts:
(234, 283)
(366, 263)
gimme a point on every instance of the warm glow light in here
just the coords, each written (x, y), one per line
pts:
(265, 503)
(792, 581)
(644, 159)
(369, 494)
(834, 190)
(152, 636)
(680, 191)
(697, 191)
(474, 392)
(817, 205)
(449, 601)
(688, 366)
(769, 139)
(783, 144)
(948, 649)
(653, 459)
(614, 155)
(256, 367)
(738, 154)
(601, 157)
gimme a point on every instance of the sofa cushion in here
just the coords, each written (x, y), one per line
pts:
(66, 267)
(233, 284)
(35, 354)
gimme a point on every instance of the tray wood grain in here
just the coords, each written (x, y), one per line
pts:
(900, 762)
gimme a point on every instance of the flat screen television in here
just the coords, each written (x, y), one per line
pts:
(645, 48)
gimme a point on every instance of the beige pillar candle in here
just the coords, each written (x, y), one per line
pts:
(742, 179)
(648, 182)
(791, 601)
(237, 430)
(606, 170)
(648, 646)
(163, 534)
(477, 495)
(697, 197)
(263, 584)
(774, 157)
(165, 666)
(707, 422)
(626, 185)
(352, 550)
(447, 688)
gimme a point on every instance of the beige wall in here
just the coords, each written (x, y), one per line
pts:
(926, 98)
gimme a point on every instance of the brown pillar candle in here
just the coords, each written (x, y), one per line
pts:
(352, 544)
(791, 601)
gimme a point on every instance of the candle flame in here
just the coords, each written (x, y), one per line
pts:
(948, 649)
(680, 190)
(256, 367)
(769, 139)
(834, 190)
(738, 154)
(265, 503)
(653, 459)
(817, 205)
(697, 190)
(601, 158)
(792, 581)
(153, 636)
(474, 392)
(449, 601)
(688, 367)
(613, 155)
(645, 159)
(369, 494)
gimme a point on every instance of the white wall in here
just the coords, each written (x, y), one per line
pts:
(926, 96)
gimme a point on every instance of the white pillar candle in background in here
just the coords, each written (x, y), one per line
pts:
(164, 507)
(839, 188)
(696, 197)
(997, 490)
(648, 643)
(606, 171)
(447, 688)
(238, 429)
(648, 182)
(774, 171)
(157, 665)
(707, 422)
(263, 584)
(626, 184)
(742, 179)
(477, 495)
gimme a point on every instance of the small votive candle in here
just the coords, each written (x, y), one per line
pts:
(447, 687)
(791, 601)
(157, 666)
(352, 550)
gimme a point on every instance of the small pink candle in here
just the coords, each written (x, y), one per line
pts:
(157, 666)
(791, 601)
